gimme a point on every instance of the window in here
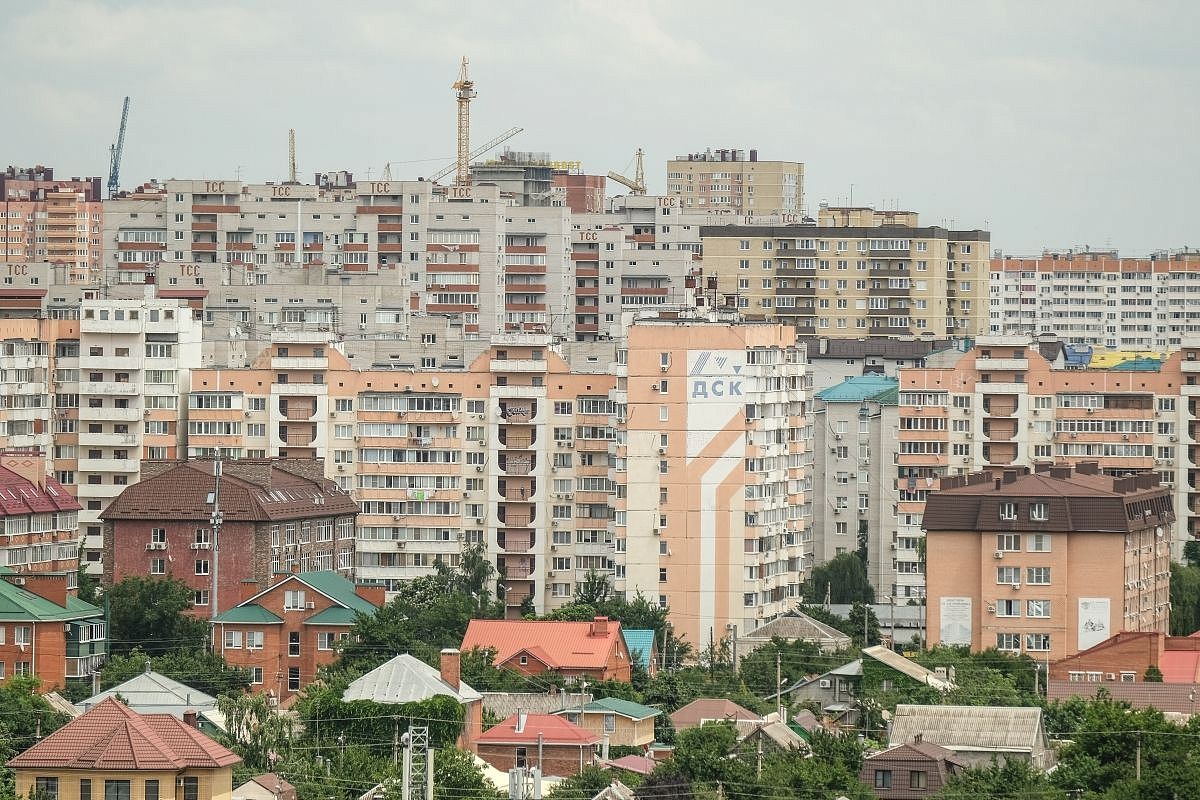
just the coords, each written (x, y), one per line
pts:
(1037, 608)
(916, 779)
(293, 600)
(1038, 575)
(1008, 608)
(521, 757)
(200, 597)
(233, 640)
(883, 779)
(610, 723)
(45, 788)
(22, 635)
(202, 567)
(293, 682)
(1039, 543)
(85, 789)
(1039, 512)
(1008, 641)
(1008, 512)
(116, 790)
(1037, 641)
(254, 640)
(1008, 574)
(158, 566)
(294, 644)
(662, 574)
(1008, 542)
(151, 790)
(256, 676)
(325, 640)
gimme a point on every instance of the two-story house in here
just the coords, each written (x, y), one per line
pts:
(623, 722)
(115, 753)
(46, 631)
(576, 650)
(284, 633)
(544, 741)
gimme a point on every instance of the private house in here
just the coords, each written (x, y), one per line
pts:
(565, 748)
(46, 631)
(772, 735)
(622, 722)
(116, 753)
(283, 634)
(910, 770)
(975, 734)
(152, 693)
(407, 679)
(833, 692)
(792, 628)
(707, 709)
(643, 649)
(1126, 656)
(584, 650)
(265, 787)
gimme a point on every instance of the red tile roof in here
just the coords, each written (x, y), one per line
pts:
(182, 492)
(558, 645)
(112, 736)
(555, 730)
(18, 495)
(1179, 666)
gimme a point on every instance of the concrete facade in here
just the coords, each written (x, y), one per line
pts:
(734, 182)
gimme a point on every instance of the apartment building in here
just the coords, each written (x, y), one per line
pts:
(855, 433)
(41, 518)
(712, 464)
(855, 273)
(44, 219)
(1047, 562)
(731, 181)
(47, 632)
(1098, 298)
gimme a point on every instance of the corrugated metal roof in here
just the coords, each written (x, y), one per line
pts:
(709, 708)
(552, 729)
(152, 693)
(912, 669)
(21, 605)
(406, 679)
(640, 644)
(251, 613)
(559, 645)
(505, 704)
(860, 388)
(965, 728)
(798, 626)
(626, 708)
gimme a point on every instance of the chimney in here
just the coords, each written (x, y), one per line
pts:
(372, 593)
(246, 590)
(191, 719)
(449, 666)
(1010, 476)
(1061, 471)
(600, 626)
(918, 738)
(522, 716)
(51, 586)
(30, 464)
(1088, 467)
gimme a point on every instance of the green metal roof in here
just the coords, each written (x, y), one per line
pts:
(640, 644)
(1138, 365)
(625, 708)
(880, 388)
(332, 616)
(338, 589)
(19, 605)
(249, 613)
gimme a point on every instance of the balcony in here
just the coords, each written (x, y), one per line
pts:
(511, 442)
(108, 465)
(517, 464)
(1002, 364)
(517, 365)
(297, 363)
(113, 414)
(110, 387)
(512, 542)
(517, 520)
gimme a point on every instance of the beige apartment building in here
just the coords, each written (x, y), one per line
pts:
(713, 471)
(855, 273)
(52, 220)
(1047, 562)
(730, 181)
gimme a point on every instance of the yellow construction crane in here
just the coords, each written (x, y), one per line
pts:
(292, 156)
(638, 184)
(464, 90)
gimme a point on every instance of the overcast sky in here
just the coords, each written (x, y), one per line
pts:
(1053, 124)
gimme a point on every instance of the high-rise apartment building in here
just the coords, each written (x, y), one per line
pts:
(713, 467)
(57, 221)
(1048, 562)
(855, 273)
(1098, 298)
(730, 182)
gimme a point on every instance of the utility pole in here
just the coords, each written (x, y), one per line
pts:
(216, 519)
(778, 691)
(1138, 765)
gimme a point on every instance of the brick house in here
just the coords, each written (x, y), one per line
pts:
(283, 634)
(46, 631)
(279, 515)
(40, 517)
(910, 770)
(592, 650)
(565, 748)
(1126, 656)
(114, 752)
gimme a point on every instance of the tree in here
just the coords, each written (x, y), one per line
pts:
(842, 580)
(1185, 599)
(88, 587)
(797, 659)
(1013, 778)
(25, 716)
(148, 613)
(1153, 675)
(202, 670)
(863, 617)
(261, 735)
(1191, 553)
(665, 783)
(787, 776)
(702, 755)
(590, 782)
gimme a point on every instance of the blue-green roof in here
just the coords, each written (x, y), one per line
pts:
(860, 388)
(626, 708)
(640, 644)
(338, 589)
(20, 605)
(252, 613)
(334, 615)
(1138, 365)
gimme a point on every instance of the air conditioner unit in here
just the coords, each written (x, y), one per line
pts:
(1091, 411)
(200, 545)
(247, 413)
(479, 520)
(397, 517)
(664, 367)
(893, 545)
(479, 467)
(1110, 676)
(837, 437)
(1174, 438)
(970, 435)
(656, 531)
(570, 445)
(553, 547)
(341, 467)
(826, 683)
(919, 409)
(554, 523)
(310, 605)
(662, 451)
(1016, 586)
(998, 554)
(401, 545)
(991, 608)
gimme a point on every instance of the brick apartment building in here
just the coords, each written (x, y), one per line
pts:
(1048, 562)
(278, 515)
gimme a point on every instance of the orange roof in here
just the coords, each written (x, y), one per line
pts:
(554, 730)
(1179, 666)
(112, 736)
(558, 645)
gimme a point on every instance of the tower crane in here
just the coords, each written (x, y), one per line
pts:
(476, 153)
(638, 184)
(114, 154)
(464, 90)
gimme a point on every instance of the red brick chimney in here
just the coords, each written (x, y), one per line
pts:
(191, 719)
(450, 665)
(600, 626)
(46, 585)
(29, 464)
(372, 593)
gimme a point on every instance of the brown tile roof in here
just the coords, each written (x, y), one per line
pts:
(19, 495)
(112, 736)
(700, 711)
(1178, 698)
(182, 492)
(558, 645)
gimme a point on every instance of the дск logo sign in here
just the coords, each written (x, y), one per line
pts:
(714, 374)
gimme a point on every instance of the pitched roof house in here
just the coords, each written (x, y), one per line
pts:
(910, 770)
(110, 747)
(46, 631)
(707, 709)
(795, 627)
(624, 722)
(285, 633)
(408, 679)
(594, 650)
(268, 786)
(151, 693)
(976, 734)
(565, 748)
(643, 648)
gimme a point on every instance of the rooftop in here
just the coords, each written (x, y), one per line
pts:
(19, 495)
(640, 644)
(558, 645)
(708, 709)
(983, 728)
(405, 679)
(860, 388)
(20, 605)
(152, 693)
(553, 730)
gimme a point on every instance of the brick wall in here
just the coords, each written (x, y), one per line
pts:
(558, 760)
